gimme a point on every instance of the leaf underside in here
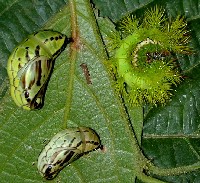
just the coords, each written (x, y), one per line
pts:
(171, 132)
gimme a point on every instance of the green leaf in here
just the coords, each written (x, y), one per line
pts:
(171, 132)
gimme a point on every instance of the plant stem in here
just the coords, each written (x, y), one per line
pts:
(173, 171)
(136, 115)
(73, 57)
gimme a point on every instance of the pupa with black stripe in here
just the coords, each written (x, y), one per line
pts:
(30, 65)
(64, 148)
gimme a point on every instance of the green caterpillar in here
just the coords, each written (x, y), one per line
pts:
(143, 62)
(66, 147)
(30, 65)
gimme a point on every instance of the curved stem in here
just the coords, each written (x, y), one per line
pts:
(173, 171)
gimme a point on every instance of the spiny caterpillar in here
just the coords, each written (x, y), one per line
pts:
(30, 65)
(66, 147)
(143, 63)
